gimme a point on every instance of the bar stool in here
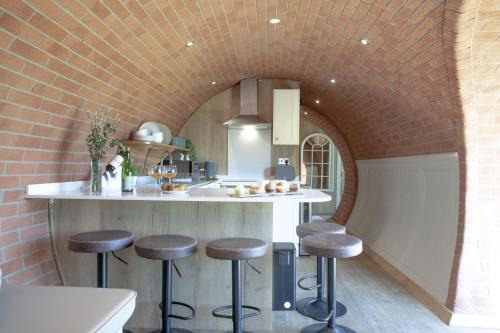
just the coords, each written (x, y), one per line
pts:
(101, 242)
(236, 249)
(331, 246)
(317, 305)
(168, 248)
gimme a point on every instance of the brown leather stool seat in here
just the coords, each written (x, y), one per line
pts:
(236, 248)
(166, 247)
(101, 241)
(331, 246)
(306, 229)
(318, 304)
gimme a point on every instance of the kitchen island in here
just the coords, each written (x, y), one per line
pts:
(203, 213)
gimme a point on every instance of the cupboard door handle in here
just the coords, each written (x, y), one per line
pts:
(276, 138)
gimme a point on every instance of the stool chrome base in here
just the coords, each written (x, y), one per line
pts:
(172, 330)
(322, 328)
(319, 307)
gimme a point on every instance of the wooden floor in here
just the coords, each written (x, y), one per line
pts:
(375, 303)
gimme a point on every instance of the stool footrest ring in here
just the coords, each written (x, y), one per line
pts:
(308, 277)
(256, 311)
(312, 315)
(191, 316)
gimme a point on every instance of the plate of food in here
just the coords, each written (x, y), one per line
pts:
(270, 189)
(241, 191)
(174, 189)
(283, 188)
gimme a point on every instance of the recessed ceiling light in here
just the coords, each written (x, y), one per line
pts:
(332, 80)
(274, 21)
(190, 43)
(317, 101)
(364, 42)
(214, 82)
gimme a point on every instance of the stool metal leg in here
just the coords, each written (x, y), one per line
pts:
(332, 294)
(166, 296)
(237, 296)
(102, 270)
(318, 305)
(166, 302)
(237, 306)
(320, 271)
(331, 326)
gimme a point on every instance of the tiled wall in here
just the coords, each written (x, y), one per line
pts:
(401, 95)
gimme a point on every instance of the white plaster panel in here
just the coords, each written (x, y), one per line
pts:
(407, 212)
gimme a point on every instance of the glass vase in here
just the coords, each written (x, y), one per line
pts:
(95, 176)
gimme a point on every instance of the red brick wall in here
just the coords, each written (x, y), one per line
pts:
(471, 38)
(47, 76)
(404, 94)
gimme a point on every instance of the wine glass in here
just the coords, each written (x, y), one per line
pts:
(169, 172)
(156, 172)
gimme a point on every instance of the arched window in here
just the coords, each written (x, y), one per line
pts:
(322, 163)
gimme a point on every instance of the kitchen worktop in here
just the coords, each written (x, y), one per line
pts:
(206, 212)
(148, 192)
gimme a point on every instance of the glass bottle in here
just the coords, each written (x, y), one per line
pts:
(127, 174)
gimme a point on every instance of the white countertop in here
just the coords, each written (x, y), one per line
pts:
(79, 191)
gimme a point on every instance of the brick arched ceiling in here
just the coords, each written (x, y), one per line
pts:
(390, 98)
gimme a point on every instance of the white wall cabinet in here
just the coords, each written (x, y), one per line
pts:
(286, 116)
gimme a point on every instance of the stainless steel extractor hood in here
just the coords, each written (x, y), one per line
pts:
(248, 108)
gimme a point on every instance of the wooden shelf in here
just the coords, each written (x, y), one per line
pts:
(151, 151)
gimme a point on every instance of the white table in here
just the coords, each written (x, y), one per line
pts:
(64, 309)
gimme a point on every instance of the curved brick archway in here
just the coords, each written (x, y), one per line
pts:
(351, 179)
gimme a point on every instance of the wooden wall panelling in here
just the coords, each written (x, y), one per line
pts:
(205, 128)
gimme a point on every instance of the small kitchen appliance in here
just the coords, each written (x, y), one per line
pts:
(186, 169)
(210, 169)
(285, 172)
(284, 277)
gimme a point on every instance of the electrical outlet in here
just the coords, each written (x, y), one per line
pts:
(283, 161)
